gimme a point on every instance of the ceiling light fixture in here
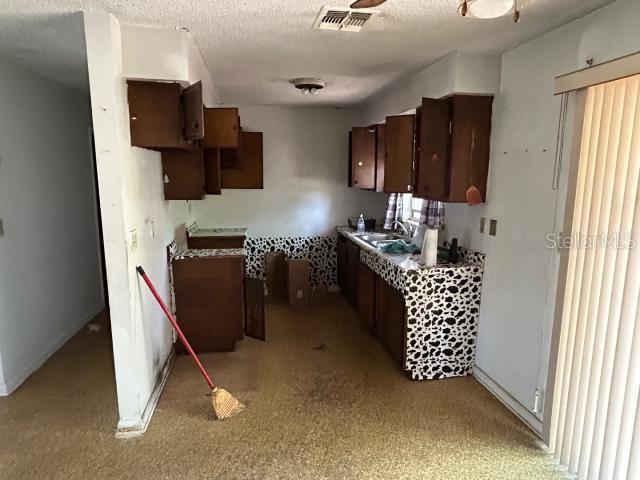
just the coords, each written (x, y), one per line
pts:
(489, 9)
(308, 86)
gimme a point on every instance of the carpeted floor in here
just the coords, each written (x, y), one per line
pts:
(324, 401)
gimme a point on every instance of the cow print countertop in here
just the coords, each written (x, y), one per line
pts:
(443, 308)
(206, 252)
(194, 230)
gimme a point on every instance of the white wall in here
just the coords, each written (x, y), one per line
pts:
(305, 176)
(521, 273)
(458, 72)
(50, 274)
(132, 202)
(165, 54)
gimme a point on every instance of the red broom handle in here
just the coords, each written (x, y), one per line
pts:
(183, 339)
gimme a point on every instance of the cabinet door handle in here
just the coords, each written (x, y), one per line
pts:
(359, 164)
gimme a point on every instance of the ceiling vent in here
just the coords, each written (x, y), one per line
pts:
(344, 19)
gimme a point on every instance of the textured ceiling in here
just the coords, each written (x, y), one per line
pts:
(254, 47)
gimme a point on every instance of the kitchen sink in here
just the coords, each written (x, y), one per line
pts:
(379, 240)
(376, 237)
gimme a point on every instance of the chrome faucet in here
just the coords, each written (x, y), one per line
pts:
(407, 231)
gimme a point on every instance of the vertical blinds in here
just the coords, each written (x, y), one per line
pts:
(595, 424)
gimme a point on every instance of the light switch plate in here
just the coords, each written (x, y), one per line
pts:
(1, 228)
(493, 227)
(483, 223)
(133, 240)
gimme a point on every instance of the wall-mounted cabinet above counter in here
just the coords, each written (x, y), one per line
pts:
(440, 153)
(164, 115)
(204, 150)
(452, 147)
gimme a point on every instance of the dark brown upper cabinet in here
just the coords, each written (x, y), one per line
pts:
(452, 147)
(399, 147)
(380, 154)
(221, 128)
(363, 157)
(183, 174)
(192, 112)
(250, 175)
(163, 115)
(212, 171)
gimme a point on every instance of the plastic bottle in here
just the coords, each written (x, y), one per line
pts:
(361, 224)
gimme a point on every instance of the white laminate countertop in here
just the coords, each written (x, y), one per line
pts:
(405, 261)
(218, 232)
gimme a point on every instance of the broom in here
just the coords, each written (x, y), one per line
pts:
(225, 405)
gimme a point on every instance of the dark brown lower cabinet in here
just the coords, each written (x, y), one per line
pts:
(367, 296)
(210, 301)
(235, 241)
(353, 263)
(183, 175)
(390, 319)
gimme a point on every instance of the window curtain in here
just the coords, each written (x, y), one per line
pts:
(432, 213)
(394, 210)
(595, 421)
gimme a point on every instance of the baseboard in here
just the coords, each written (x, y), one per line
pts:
(12, 383)
(135, 429)
(519, 410)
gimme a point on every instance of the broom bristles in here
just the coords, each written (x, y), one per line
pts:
(225, 405)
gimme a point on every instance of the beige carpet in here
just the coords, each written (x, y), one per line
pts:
(342, 411)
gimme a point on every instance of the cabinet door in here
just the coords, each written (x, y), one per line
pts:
(212, 171)
(363, 157)
(432, 159)
(380, 154)
(209, 294)
(366, 296)
(398, 164)
(254, 308)
(470, 145)
(341, 252)
(390, 319)
(353, 262)
(250, 175)
(192, 112)
(155, 114)
(183, 175)
(221, 128)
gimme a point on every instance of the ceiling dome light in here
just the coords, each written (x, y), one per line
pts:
(486, 8)
(308, 86)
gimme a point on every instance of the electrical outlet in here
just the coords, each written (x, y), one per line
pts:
(493, 227)
(483, 223)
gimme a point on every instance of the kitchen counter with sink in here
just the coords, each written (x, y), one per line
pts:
(442, 304)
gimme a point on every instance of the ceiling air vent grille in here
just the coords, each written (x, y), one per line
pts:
(331, 18)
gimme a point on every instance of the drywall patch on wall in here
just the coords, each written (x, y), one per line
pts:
(305, 177)
(50, 279)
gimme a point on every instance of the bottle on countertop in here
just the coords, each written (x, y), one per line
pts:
(361, 224)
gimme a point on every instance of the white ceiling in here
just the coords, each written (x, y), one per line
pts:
(254, 47)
